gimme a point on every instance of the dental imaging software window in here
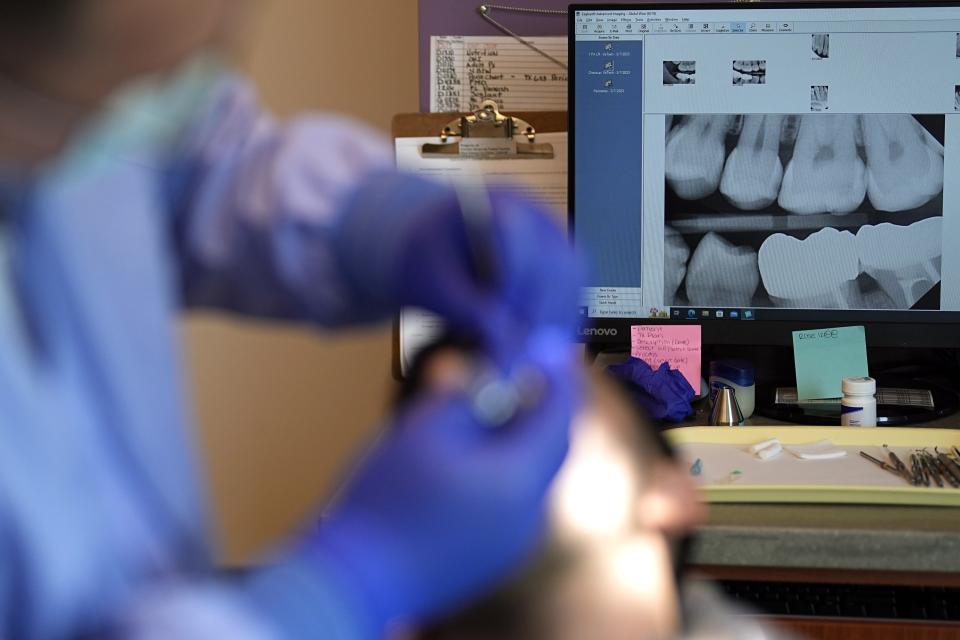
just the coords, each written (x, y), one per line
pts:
(773, 163)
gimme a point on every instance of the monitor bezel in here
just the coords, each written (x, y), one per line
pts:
(880, 333)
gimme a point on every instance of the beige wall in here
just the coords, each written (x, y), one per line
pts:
(281, 410)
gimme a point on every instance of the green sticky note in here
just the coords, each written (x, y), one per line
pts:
(824, 357)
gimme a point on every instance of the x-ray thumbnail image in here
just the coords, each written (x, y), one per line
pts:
(820, 45)
(679, 72)
(819, 98)
(883, 266)
(956, 97)
(747, 72)
(958, 45)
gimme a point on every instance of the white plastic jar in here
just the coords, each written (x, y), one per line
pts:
(858, 408)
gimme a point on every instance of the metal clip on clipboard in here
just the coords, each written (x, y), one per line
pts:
(487, 134)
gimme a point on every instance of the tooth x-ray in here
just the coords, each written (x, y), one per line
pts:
(679, 72)
(820, 46)
(806, 212)
(749, 72)
(819, 98)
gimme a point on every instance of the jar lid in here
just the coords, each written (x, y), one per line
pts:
(739, 372)
(859, 386)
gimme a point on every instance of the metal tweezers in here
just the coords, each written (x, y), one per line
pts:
(895, 470)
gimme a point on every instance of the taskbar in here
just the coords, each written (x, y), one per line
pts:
(726, 314)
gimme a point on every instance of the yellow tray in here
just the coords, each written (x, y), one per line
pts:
(852, 438)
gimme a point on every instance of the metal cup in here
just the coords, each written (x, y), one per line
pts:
(726, 411)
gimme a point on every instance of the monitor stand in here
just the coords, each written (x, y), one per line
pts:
(945, 402)
(927, 370)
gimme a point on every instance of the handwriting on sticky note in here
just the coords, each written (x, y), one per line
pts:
(820, 334)
(678, 345)
(824, 357)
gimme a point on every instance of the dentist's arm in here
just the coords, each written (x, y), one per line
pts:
(306, 220)
(256, 204)
(440, 509)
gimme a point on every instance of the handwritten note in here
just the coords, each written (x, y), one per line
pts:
(466, 70)
(679, 345)
(824, 357)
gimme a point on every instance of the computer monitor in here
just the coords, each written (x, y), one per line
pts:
(764, 167)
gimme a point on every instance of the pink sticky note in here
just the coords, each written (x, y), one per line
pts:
(678, 345)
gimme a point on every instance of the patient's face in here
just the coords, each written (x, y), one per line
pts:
(619, 508)
(615, 511)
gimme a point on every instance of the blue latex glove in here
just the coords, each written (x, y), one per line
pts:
(535, 276)
(420, 253)
(443, 506)
(664, 393)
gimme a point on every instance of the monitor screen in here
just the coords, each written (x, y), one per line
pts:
(767, 162)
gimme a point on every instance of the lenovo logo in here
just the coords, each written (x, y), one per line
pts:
(594, 332)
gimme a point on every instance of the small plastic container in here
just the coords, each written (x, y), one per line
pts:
(737, 375)
(858, 408)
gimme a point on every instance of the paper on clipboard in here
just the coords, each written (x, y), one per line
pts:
(466, 70)
(545, 179)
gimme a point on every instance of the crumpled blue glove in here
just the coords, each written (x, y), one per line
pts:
(420, 254)
(664, 393)
(443, 506)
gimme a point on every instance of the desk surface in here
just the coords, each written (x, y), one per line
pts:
(830, 537)
(853, 538)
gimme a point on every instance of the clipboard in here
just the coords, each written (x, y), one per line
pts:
(418, 125)
(488, 124)
(492, 133)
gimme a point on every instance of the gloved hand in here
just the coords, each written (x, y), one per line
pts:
(444, 506)
(534, 281)
(419, 251)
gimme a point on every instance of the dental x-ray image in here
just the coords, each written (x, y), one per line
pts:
(749, 72)
(958, 45)
(679, 72)
(956, 97)
(820, 45)
(819, 98)
(804, 211)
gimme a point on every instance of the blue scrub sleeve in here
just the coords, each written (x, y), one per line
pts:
(283, 602)
(257, 204)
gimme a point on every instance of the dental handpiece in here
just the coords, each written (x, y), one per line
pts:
(477, 212)
(496, 398)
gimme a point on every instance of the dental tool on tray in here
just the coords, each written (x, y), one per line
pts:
(880, 463)
(951, 468)
(925, 468)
